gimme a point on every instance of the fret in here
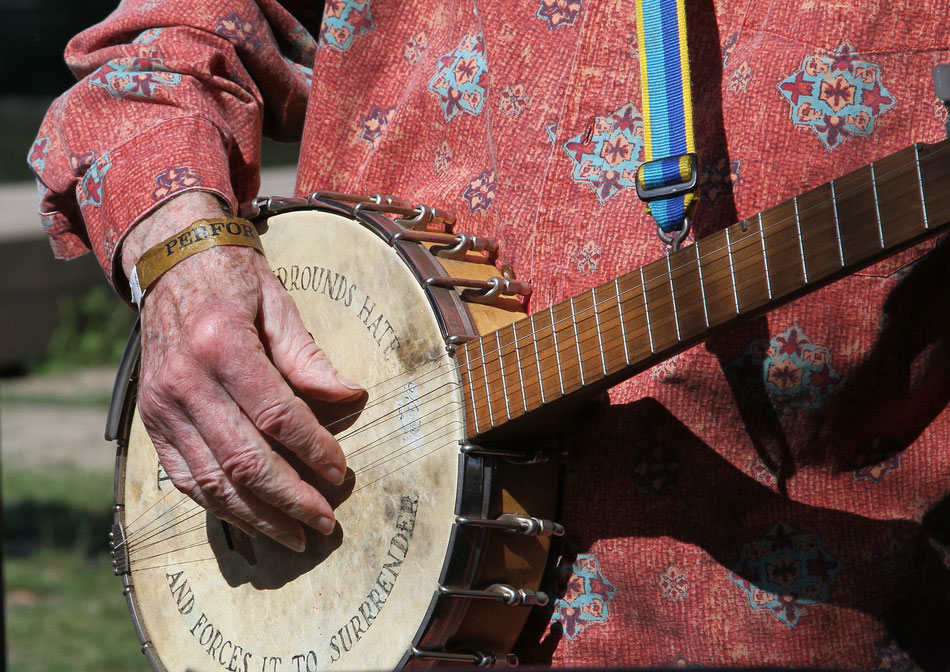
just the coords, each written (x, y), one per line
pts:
(577, 342)
(748, 265)
(902, 212)
(623, 329)
(501, 368)
(646, 308)
(784, 256)
(854, 203)
(923, 192)
(820, 239)
(801, 239)
(661, 310)
(732, 270)
(765, 259)
(557, 351)
(548, 371)
(687, 291)
(877, 207)
(676, 318)
(521, 367)
(465, 372)
(702, 283)
(486, 358)
(568, 348)
(934, 168)
(613, 339)
(834, 205)
(633, 317)
(478, 386)
(600, 333)
(587, 333)
(715, 270)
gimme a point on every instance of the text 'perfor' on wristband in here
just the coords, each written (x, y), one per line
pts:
(199, 236)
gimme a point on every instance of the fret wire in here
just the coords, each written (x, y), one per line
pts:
(765, 259)
(646, 308)
(501, 367)
(877, 206)
(920, 181)
(732, 270)
(524, 396)
(801, 239)
(491, 413)
(834, 207)
(623, 328)
(471, 386)
(676, 316)
(600, 336)
(577, 342)
(702, 284)
(537, 358)
(557, 353)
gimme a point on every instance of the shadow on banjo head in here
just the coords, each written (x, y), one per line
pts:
(261, 561)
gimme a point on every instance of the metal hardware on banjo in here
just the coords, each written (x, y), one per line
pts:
(442, 537)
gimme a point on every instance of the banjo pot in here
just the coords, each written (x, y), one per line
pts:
(440, 544)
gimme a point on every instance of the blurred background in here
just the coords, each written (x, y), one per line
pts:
(62, 332)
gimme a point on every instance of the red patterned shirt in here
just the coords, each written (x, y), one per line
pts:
(761, 499)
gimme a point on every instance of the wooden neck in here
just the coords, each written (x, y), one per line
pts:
(618, 329)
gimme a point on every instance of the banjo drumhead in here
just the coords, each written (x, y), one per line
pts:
(207, 597)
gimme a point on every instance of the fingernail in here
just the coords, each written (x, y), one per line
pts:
(292, 542)
(324, 525)
(346, 382)
(334, 475)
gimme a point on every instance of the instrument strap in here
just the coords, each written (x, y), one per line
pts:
(667, 179)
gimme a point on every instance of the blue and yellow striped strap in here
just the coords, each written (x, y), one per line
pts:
(668, 177)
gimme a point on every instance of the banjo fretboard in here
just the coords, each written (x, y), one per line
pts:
(613, 331)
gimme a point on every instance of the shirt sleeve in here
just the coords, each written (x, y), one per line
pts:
(172, 96)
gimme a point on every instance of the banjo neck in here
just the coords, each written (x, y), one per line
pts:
(611, 332)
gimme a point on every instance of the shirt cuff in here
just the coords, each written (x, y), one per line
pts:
(128, 182)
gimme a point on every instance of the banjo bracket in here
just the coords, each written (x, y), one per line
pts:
(483, 291)
(516, 524)
(476, 658)
(500, 592)
(534, 453)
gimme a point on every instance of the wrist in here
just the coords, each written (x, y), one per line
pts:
(169, 219)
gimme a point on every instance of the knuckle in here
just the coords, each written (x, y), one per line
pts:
(208, 330)
(213, 484)
(250, 469)
(276, 417)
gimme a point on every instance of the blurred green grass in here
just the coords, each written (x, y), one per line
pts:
(64, 607)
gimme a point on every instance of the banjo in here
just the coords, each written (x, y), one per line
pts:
(445, 522)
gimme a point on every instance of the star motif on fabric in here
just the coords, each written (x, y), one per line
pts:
(837, 95)
(607, 153)
(786, 573)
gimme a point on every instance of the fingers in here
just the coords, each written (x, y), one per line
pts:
(252, 384)
(295, 354)
(213, 454)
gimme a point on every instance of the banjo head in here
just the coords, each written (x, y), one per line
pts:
(207, 597)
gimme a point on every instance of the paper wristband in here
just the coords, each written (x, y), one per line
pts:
(201, 235)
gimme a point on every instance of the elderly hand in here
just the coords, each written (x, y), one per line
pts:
(224, 358)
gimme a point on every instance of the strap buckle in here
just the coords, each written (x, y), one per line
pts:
(666, 189)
